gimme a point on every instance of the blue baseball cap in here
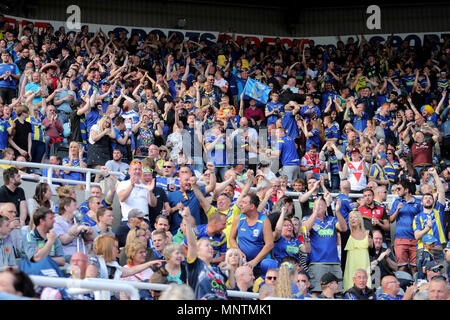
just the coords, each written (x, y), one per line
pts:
(428, 238)
(267, 264)
(382, 155)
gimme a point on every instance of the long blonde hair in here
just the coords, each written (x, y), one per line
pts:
(283, 286)
(360, 219)
(101, 124)
(317, 124)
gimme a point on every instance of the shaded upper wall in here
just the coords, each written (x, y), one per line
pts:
(249, 19)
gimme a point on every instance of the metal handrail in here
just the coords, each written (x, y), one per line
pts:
(55, 166)
(52, 167)
(130, 287)
(89, 283)
(162, 287)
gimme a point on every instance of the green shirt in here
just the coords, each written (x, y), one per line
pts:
(179, 237)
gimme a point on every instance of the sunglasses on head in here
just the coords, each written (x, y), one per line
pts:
(136, 162)
(147, 170)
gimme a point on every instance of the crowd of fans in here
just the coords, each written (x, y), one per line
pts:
(210, 177)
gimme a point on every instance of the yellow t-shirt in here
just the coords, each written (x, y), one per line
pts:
(231, 213)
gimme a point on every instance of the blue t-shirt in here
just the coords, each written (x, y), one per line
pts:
(10, 82)
(218, 155)
(188, 199)
(287, 248)
(162, 182)
(437, 229)
(306, 111)
(383, 119)
(289, 155)
(360, 123)
(218, 242)
(408, 82)
(250, 238)
(271, 106)
(405, 218)
(332, 132)
(92, 117)
(73, 175)
(32, 86)
(347, 205)
(384, 296)
(314, 140)
(65, 106)
(4, 125)
(324, 241)
(325, 96)
(290, 124)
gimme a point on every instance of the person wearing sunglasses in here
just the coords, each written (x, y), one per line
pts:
(133, 193)
(402, 212)
(392, 166)
(167, 180)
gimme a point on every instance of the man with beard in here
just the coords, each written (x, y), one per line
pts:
(11, 192)
(431, 221)
(403, 211)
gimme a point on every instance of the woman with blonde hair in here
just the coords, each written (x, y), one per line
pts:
(136, 252)
(174, 269)
(357, 248)
(286, 286)
(233, 258)
(102, 264)
(74, 159)
(134, 234)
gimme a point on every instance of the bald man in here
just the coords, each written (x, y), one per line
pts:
(266, 291)
(391, 287)
(244, 278)
(78, 265)
(9, 211)
(438, 289)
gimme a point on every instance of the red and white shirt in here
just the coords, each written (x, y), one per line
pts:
(356, 176)
(308, 161)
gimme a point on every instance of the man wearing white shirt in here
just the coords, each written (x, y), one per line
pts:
(133, 194)
(291, 85)
(253, 135)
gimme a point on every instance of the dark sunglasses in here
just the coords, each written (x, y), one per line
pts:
(271, 278)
